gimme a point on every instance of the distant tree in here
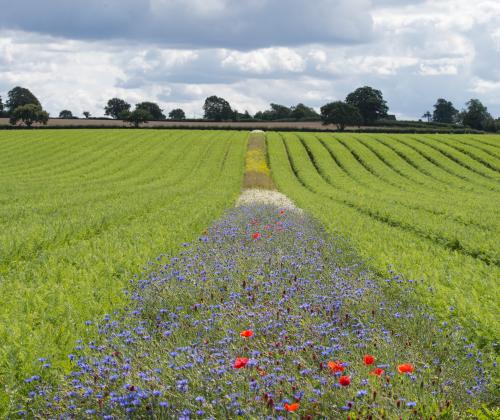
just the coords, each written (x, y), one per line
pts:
(20, 96)
(138, 116)
(217, 109)
(476, 115)
(66, 113)
(427, 116)
(259, 115)
(444, 112)
(1, 107)
(276, 112)
(280, 112)
(300, 112)
(370, 103)
(154, 110)
(238, 116)
(115, 107)
(267, 115)
(177, 114)
(245, 116)
(86, 114)
(491, 125)
(124, 114)
(341, 114)
(29, 114)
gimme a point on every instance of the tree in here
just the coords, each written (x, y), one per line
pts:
(245, 116)
(138, 116)
(427, 116)
(1, 107)
(217, 109)
(29, 114)
(491, 125)
(370, 103)
(66, 113)
(266, 115)
(124, 114)
(259, 115)
(300, 112)
(20, 96)
(444, 112)
(115, 107)
(280, 112)
(476, 115)
(341, 114)
(153, 109)
(277, 112)
(177, 114)
(86, 114)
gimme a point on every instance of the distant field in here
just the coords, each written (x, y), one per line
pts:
(239, 125)
(56, 122)
(81, 212)
(427, 206)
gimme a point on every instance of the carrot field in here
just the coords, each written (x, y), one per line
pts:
(81, 212)
(422, 206)
(222, 274)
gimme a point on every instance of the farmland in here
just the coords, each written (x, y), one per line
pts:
(81, 212)
(258, 310)
(267, 314)
(425, 206)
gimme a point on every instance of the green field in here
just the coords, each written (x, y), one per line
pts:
(84, 211)
(81, 212)
(426, 206)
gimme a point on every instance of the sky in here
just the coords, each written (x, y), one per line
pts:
(77, 54)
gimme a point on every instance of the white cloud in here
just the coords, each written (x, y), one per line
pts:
(269, 60)
(253, 53)
(489, 87)
(438, 68)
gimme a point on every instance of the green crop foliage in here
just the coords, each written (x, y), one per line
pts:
(81, 212)
(425, 206)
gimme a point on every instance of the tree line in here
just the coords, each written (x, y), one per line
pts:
(364, 106)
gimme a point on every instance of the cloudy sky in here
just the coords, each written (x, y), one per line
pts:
(76, 54)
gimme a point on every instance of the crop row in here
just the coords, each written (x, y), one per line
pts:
(267, 316)
(426, 206)
(80, 212)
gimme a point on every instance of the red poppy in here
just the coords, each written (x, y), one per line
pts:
(336, 366)
(406, 368)
(246, 333)
(345, 380)
(282, 212)
(377, 372)
(240, 362)
(256, 235)
(291, 407)
(368, 359)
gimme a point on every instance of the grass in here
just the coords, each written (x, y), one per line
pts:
(425, 206)
(81, 212)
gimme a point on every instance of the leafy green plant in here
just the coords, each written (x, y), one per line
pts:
(425, 205)
(81, 212)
